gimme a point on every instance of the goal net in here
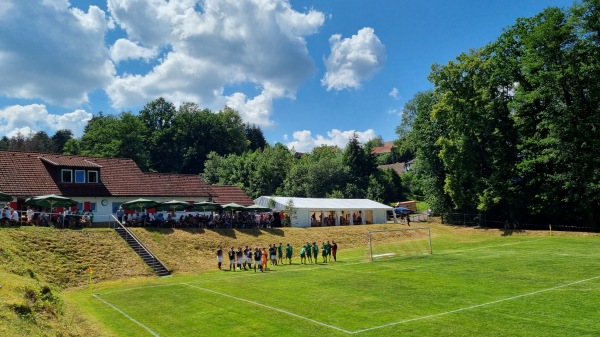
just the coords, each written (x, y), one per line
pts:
(399, 243)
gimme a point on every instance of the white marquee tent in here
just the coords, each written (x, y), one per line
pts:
(307, 212)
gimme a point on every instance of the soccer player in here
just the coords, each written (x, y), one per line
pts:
(257, 259)
(219, 257)
(248, 253)
(315, 252)
(264, 259)
(328, 247)
(303, 255)
(324, 252)
(308, 252)
(334, 249)
(288, 253)
(240, 258)
(231, 255)
(280, 253)
(273, 253)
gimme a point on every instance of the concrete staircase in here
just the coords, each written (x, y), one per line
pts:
(149, 258)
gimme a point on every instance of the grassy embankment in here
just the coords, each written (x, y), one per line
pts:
(38, 264)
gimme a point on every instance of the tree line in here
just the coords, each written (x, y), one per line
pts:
(513, 128)
(225, 150)
(325, 172)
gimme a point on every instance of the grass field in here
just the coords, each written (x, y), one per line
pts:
(476, 283)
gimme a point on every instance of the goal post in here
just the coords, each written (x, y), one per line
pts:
(399, 243)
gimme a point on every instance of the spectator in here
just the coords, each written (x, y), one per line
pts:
(30, 214)
(120, 214)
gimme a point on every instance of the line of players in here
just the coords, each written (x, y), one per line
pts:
(245, 258)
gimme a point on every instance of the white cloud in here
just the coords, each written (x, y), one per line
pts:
(35, 117)
(218, 44)
(394, 93)
(305, 142)
(52, 52)
(353, 60)
(258, 109)
(124, 49)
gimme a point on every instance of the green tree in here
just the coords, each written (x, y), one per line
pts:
(60, 138)
(255, 137)
(421, 137)
(361, 163)
(115, 136)
(158, 117)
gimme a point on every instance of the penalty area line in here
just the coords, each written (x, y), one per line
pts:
(126, 315)
(477, 306)
(271, 308)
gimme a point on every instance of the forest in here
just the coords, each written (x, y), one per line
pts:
(510, 129)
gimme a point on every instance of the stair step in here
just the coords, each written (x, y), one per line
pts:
(145, 255)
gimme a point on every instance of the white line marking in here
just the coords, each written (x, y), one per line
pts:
(272, 308)
(141, 287)
(126, 315)
(475, 306)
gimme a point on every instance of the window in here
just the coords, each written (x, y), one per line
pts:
(79, 176)
(92, 176)
(66, 176)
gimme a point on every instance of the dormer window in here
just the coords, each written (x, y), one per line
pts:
(66, 176)
(80, 176)
(92, 177)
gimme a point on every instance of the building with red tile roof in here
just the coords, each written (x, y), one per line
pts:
(224, 194)
(385, 148)
(101, 184)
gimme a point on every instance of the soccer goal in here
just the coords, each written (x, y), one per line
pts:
(399, 243)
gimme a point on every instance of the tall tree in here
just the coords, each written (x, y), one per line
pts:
(255, 137)
(360, 162)
(158, 117)
(59, 140)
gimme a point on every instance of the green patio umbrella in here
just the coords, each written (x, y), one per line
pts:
(139, 204)
(232, 206)
(258, 208)
(5, 197)
(51, 201)
(174, 205)
(206, 206)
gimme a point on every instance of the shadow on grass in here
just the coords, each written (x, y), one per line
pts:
(172, 230)
(509, 232)
(224, 232)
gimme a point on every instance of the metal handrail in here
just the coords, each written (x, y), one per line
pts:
(130, 233)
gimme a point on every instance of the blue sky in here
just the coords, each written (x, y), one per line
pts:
(308, 72)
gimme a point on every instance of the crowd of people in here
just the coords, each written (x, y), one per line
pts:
(171, 219)
(260, 259)
(39, 217)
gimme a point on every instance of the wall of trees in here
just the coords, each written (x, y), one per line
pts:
(513, 129)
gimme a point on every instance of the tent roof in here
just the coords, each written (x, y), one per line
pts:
(321, 203)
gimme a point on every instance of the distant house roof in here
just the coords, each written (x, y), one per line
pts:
(398, 167)
(24, 174)
(385, 148)
(225, 194)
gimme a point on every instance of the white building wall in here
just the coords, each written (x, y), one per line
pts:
(301, 218)
(379, 216)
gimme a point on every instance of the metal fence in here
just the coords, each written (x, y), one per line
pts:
(483, 220)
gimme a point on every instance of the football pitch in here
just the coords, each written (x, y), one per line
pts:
(488, 285)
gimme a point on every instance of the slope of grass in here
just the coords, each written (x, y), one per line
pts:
(37, 263)
(37, 266)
